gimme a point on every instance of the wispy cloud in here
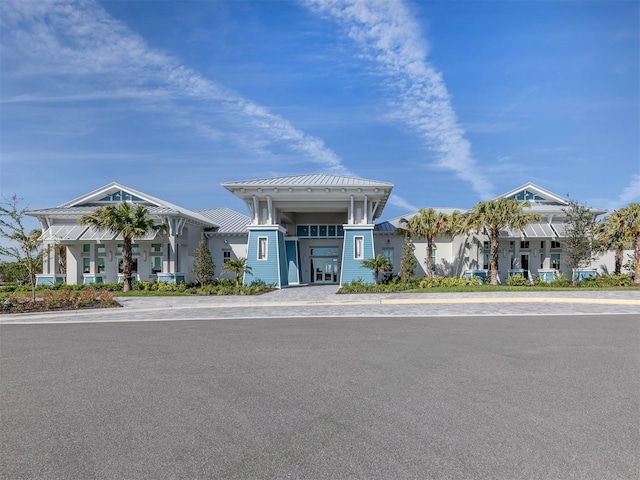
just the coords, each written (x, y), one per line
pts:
(391, 39)
(632, 191)
(107, 61)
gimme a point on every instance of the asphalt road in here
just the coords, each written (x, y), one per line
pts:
(323, 398)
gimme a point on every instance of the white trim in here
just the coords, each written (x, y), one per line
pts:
(355, 247)
(265, 254)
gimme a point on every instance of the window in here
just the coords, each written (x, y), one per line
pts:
(555, 244)
(542, 259)
(102, 249)
(135, 248)
(156, 248)
(156, 264)
(319, 231)
(358, 248)
(262, 248)
(485, 261)
(101, 267)
(524, 244)
(134, 266)
(388, 252)
(226, 256)
(485, 245)
(86, 248)
(86, 265)
(541, 244)
(555, 261)
(510, 245)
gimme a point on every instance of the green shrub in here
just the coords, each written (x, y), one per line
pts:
(605, 281)
(517, 281)
(439, 282)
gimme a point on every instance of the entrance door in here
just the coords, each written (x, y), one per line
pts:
(524, 264)
(325, 269)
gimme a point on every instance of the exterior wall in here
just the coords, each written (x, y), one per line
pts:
(268, 270)
(352, 269)
(236, 246)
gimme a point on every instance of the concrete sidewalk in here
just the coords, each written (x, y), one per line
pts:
(314, 301)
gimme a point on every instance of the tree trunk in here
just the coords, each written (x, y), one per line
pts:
(636, 251)
(494, 257)
(127, 263)
(618, 265)
(429, 257)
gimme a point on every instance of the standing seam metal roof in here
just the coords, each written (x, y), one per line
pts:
(314, 179)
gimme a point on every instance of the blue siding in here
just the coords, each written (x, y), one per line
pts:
(267, 270)
(282, 260)
(293, 269)
(352, 269)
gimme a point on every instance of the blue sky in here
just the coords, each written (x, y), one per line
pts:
(451, 101)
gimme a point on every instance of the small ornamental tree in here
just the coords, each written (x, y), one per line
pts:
(379, 263)
(238, 267)
(203, 267)
(408, 261)
(24, 247)
(580, 230)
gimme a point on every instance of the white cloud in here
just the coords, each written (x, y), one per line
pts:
(400, 202)
(105, 60)
(391, 38)
(630, 193)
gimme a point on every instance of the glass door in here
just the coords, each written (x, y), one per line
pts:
(325, 269)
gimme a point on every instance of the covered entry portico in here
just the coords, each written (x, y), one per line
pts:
(310, 228)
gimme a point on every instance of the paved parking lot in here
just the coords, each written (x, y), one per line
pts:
(309, 301)
(334, 396)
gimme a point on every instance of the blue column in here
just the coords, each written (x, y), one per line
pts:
(352, 268)
(270, 265)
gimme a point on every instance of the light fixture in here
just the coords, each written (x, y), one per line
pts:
(110, 256)
(504, 252)
(144, 256)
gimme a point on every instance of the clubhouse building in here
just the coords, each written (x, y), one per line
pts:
(303, 229)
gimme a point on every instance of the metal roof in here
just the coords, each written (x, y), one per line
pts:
(310, 180)
(228, 221)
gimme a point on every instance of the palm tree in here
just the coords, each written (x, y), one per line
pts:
(494, 215)
(428, 224)
(237, 266)
(610, 234)
(127, 220)
(630, 224)
(379, 263)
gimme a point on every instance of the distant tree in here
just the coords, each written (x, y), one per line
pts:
(203, 267)
(238, 267)
(379, 263)
(126, 219)
(631, 225)
(14, 272)
(580, 237)
(494, 215)
(611, 235)
(24, 247)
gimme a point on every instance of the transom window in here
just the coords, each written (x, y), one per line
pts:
(319, 231)
(226, 256)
